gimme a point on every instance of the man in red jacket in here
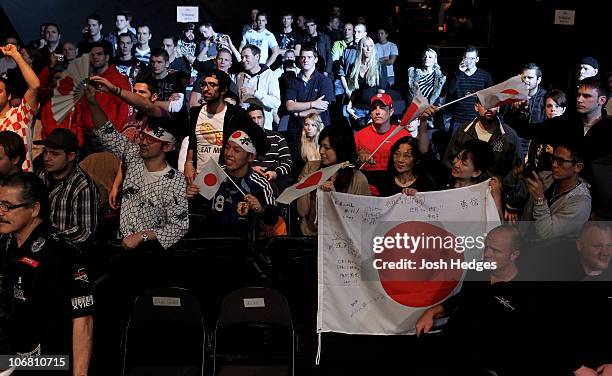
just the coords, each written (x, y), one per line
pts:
(116, 109)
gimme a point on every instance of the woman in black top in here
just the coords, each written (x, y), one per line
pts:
(405, 172)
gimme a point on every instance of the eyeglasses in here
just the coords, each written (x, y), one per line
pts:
(212, 85)
(560, 160)
(6, 207)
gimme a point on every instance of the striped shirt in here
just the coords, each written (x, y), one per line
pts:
(74, 205)
(426, 84)
(277, 158)
(18, 120)
(463, 84)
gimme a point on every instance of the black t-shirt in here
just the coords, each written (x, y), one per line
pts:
(44, 286)
(167, 86)
(288, 40)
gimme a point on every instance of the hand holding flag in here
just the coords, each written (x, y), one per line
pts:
(308, 183)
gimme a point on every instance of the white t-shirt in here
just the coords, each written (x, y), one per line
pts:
(152, 177)
(209, 135)
(262, 39)
(483, 134)
(384, 51)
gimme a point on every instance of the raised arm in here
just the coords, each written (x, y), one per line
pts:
(31, 95)
(139, 102)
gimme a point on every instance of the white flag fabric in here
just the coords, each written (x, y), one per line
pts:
(509, 91)
(355, 296)
(210, 178)
(308, 184)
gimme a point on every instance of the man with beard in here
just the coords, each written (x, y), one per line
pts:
(213, 122)
(487, 127)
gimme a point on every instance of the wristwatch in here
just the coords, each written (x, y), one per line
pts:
(145, 237)
(539, 201)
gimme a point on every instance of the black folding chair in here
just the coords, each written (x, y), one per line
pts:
(254, 334)
(165, 334)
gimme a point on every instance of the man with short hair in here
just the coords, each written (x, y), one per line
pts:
(263, 39)
(258, 84)
(372, 135)
(51, 36)
(558, 209)
(45, 285)
(309, 93)
(590, 99)
(175, 63)
(124, 61)
(93, 33)
(12, 153)
(386, 52)
(339, 45)
(73, 195)
(276, 164)
(142, 50)
(70, 51)
(469, 79)
(113, 106)
(169, 88)
(153, 205)
(122, 26)
(288, 39)
(212, 123)
(594, 245)
(18, 119)
(333, 29)
(320, 42)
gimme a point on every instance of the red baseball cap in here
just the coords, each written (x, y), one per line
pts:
(384, 98)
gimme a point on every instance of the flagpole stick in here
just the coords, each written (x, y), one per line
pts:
(230, 179)
(457, 100)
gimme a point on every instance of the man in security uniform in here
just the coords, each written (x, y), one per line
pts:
(46, 295)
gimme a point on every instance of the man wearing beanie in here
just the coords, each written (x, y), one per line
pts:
(73, 194)
(588, 67)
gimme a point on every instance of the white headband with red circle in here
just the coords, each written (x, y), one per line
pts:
(244, 141)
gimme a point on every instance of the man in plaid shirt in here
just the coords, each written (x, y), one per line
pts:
(18, 119)
(73, 194)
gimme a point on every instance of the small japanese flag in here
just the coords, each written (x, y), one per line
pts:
(210, 178)
(308, 183)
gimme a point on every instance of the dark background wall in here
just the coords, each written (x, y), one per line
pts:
(520, 31)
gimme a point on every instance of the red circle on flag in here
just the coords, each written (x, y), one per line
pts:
(313, 179)
(66, 85)
(236, 134)
(418, 287)
(210, 179)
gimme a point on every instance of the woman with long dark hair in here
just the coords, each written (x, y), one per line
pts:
(405, 170)
(336, 145)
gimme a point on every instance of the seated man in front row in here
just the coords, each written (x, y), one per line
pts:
(231, 213)
(153, 206)
(46, 299)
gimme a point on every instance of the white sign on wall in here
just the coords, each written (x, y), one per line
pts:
(187, 14)
(565, 17)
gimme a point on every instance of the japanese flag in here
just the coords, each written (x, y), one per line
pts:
(308, 184)
(415, 109)
(509, 91)
(210, 178)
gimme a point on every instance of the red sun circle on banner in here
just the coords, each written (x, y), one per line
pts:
(419, 287)
(210, 179)
(236, 134)
(66, 85)
(313, 179)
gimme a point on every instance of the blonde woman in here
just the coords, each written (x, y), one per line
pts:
(310, 138)
(366, 78)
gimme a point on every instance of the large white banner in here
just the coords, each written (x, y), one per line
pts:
(383, 260)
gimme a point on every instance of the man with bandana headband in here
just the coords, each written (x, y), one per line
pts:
(153, 206)
(233, 211)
